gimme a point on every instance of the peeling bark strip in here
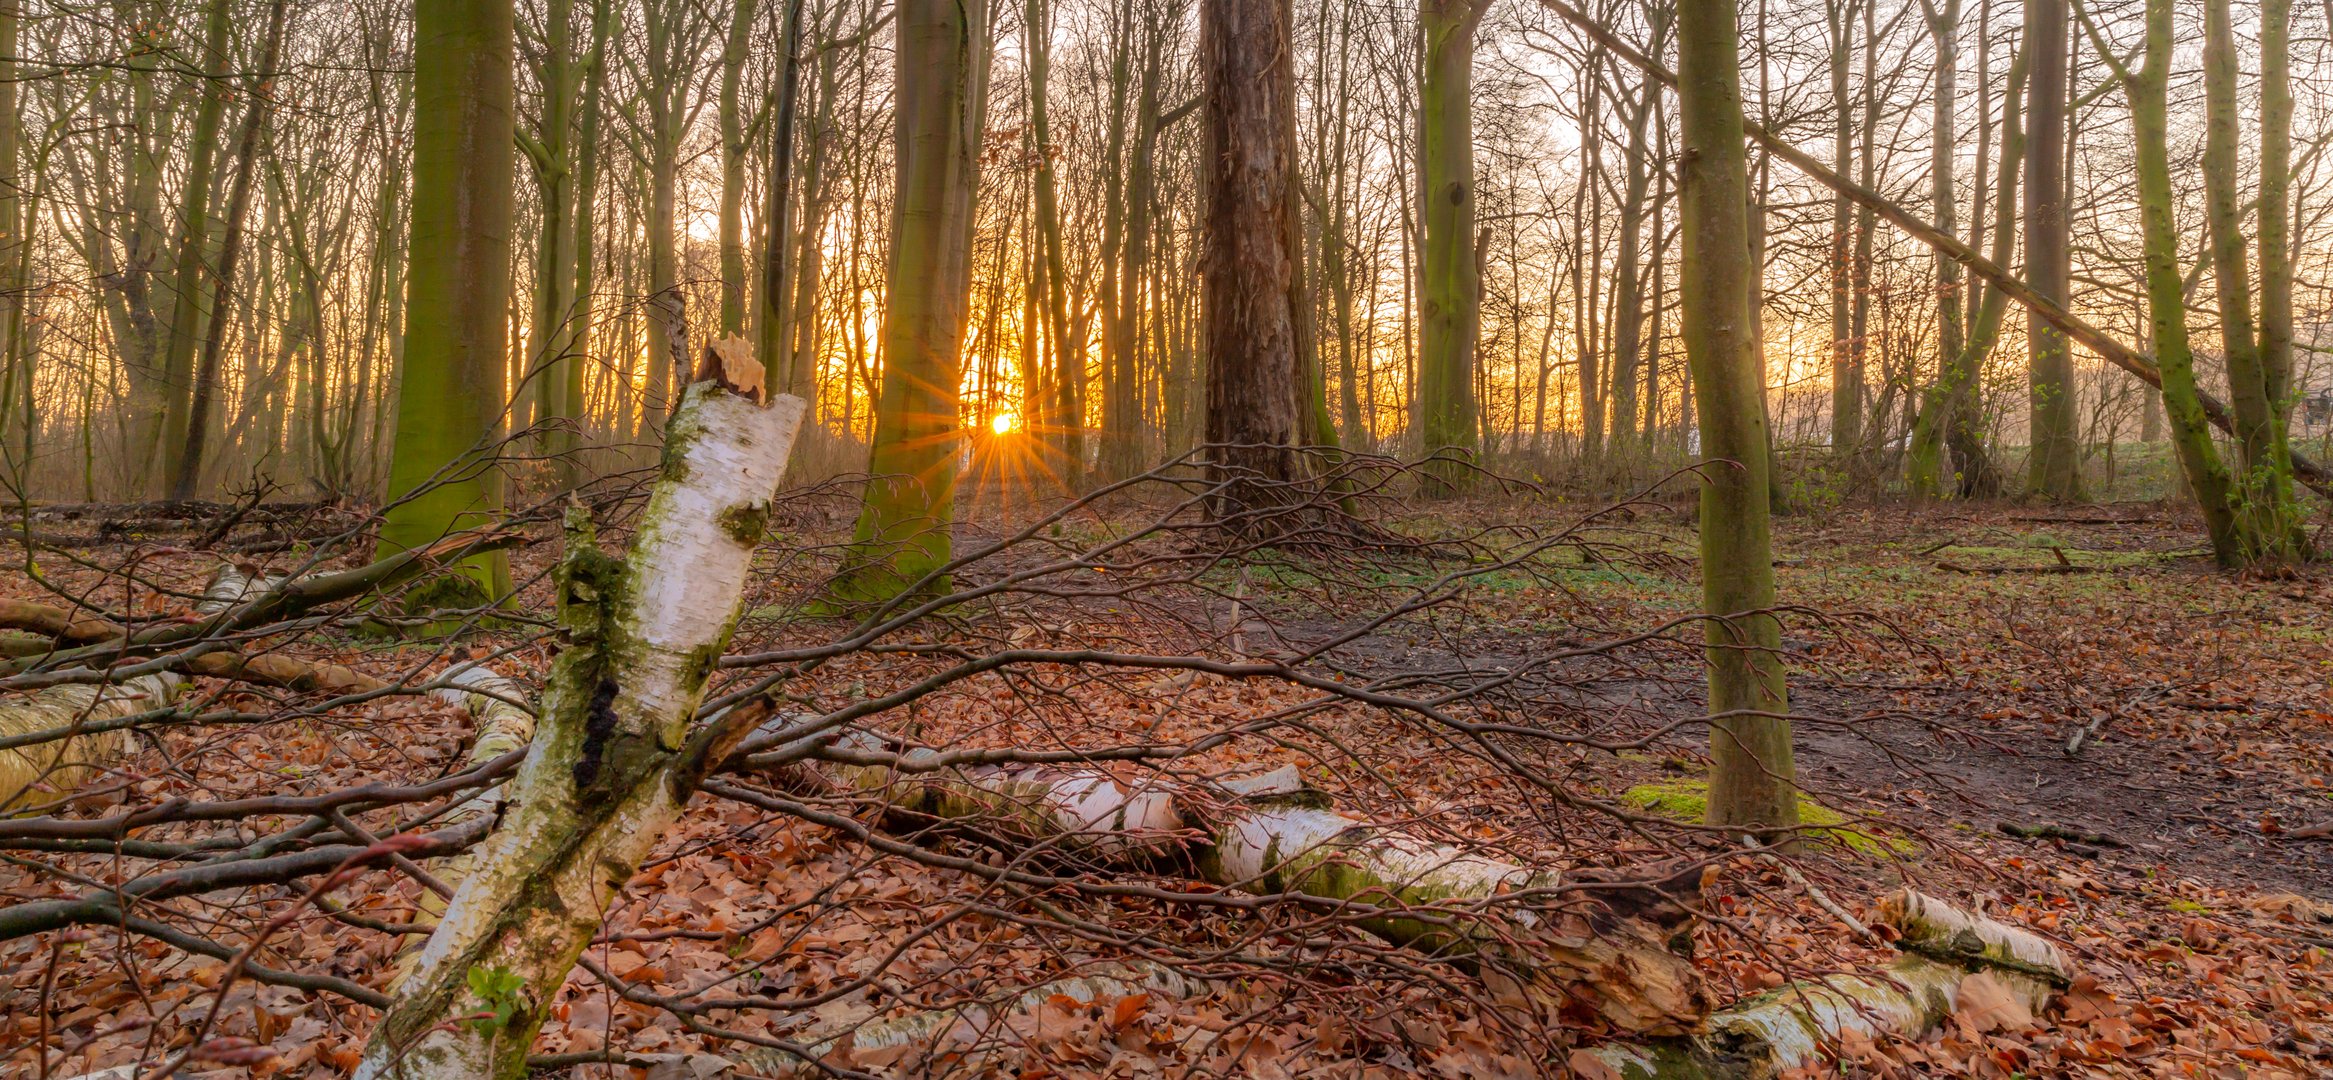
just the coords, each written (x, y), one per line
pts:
(1788, 1028)
(1605, 950)
(641, 637)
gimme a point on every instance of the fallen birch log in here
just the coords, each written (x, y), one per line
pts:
(967, 1032)
(1579, 943)
(58, 767)
(1945, 951)
(85, 740)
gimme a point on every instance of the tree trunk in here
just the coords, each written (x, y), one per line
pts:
(1449, 277)
(1751, 778)
(1255, 394)
(903, 529)
(734, 54)
(1271, 835)
(1846, 382)
(2054, 466)
(2215, 490)
(611, 764)
(206, 375)
(1948, 417)
(450, 397)
(1067, 429)
(1628, 328)
(2272, 520)
(189, 310)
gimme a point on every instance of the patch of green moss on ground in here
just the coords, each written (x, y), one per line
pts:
(1688, 800)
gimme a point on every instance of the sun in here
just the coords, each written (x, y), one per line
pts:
(1003, 423)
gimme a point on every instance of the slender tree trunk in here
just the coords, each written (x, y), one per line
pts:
(1751, 777)
(451, 394)
(189, 309)
(1923, 457)
(16, 216)
(903, 529)
(1870, 423)
(2273, 526)
(734, 150)
(1948, 416)
(1449, 277)
(1067, 351)
(2054, 467)
(553, 156)
(1846, 381)
(2215, 490)
(206, 375)
(1628, 328)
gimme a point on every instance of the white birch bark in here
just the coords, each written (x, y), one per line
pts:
(596, 792)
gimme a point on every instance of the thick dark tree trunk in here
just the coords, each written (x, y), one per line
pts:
(1255, 397)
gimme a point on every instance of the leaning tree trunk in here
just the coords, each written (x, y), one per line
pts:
(603, 778)
(1750, 767)
(2207, 475)
(1255, 389)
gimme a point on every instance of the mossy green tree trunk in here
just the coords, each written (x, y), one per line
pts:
(614, 758)
(1449, 275)
(451, 393)
(1751, 777)
(2271, 519)
(2276, 267)
(903, 529)
(2053, 421)
(2208, 477)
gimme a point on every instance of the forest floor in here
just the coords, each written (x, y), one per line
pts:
(1941, 660)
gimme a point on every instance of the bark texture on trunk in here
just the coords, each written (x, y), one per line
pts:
(1256, 398)
(1750, 767)
(451, 395)
(600, 782)
(910, 506)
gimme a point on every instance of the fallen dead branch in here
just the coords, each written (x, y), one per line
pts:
(1584, 942)
(1949, 956)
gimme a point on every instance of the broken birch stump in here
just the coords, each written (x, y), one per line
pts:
(1589, 942)
(606, 773)
(1790, 1027)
